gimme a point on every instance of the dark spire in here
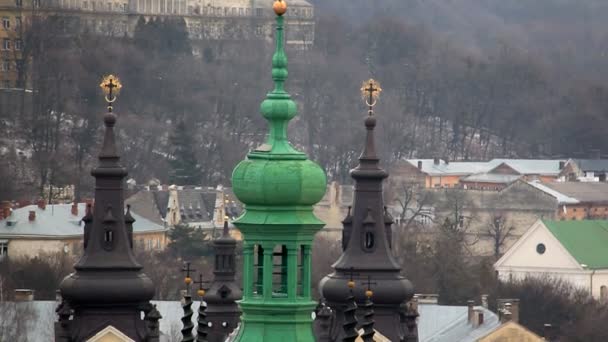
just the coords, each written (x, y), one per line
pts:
(108, 284)
(368, 250)
(324, 317)
(222, 311)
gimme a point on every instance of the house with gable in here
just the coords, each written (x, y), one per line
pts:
(574, 251)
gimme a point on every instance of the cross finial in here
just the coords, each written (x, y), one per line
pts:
(201, 291)
(186, 268)
(370, 91)
(111, 86)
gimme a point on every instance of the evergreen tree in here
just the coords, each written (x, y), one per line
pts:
(188, 242)
(185, 169)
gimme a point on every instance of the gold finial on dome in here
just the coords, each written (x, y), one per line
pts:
(279, 7)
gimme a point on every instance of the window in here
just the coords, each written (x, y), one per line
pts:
(18, 44)
(259, 12)
(6, 84)
(6, 23)
(125, 8)
(109, 6)
(17, 23)
(6, 44)
(85, 5)
(3, 248)
(241, 12)
(5, 66)
(540, 248)
(19, 3)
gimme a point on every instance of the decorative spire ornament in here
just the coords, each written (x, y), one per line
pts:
(187, 306)
(108, 284)
(350, 315)
(201, 321)
(278, 186)
(368, 314)
(368, 231)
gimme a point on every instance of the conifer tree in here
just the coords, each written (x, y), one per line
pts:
(185, 169)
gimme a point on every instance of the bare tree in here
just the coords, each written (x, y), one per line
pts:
(499, 230)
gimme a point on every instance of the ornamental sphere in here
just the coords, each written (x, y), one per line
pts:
(279, 7)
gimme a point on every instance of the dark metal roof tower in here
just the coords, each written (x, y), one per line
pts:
(222, 310)
(368, 251)
(108, 287)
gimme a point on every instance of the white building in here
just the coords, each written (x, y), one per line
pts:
(575, 251)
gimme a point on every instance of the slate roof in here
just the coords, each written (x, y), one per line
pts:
(440, 323)
(57, 221)
(596, 192)
(144, 203)
(196, 205)
(585, 240)
(592, 165)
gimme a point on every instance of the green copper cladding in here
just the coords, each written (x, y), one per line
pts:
(279, 186)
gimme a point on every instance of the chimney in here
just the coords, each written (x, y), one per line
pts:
(75, 209)
(6, 209)
(24, 295)
(562, 164)
(477, 318)
(41, 204)
(471, 311)
(505, 315)
(548, 332)
(515, 310)
(436, 161)
(420, 165)
(484, 301)
(32, 216)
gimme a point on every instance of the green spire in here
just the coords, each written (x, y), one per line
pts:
(279, 187)
(278, 108)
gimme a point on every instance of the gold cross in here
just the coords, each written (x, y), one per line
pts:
(370, 90)
(111, 86)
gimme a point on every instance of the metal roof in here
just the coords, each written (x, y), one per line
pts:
(491, 178)
(437, 323)
(592, 165)
(440, 323)
(57, 221)
(522, 166)
(561, 198)
(585, 240)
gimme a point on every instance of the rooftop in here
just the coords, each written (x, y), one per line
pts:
(561, 198)
(592, 165)
(442, 323)
(585, 240)
(596, 192)
(491, 178)
(57, 220)
(463, 168)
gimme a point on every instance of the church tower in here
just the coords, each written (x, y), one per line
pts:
(278, 185)
(108, 291)
(367, 253)
(222, 310)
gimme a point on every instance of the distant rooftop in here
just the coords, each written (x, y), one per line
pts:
(592, 165)
(57, 221)
(463, 168)
(491, 178)
(596, 192)
(561, 198)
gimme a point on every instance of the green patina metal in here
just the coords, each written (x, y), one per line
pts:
(278, 186)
